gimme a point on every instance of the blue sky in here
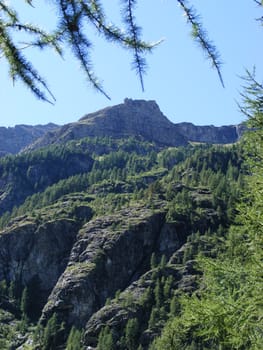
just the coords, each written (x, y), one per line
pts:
(179, 78)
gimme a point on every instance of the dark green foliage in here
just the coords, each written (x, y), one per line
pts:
(34, 171)
(163, 262)
(168, 158)
(215, 172)
(3, 288)
(49, 337)
(175, 306)
(226, 312)
(197, 187)
(112, 163)
(15, 290)
(131, 334)
(158, 295)
(105, 339)
(154, 317)
(51, 334)
(74, 340)
(25, 303)
(153, 262)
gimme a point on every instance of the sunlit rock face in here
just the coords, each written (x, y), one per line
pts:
(132, 118)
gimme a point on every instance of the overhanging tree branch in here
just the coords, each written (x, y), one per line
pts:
(71, 31)
(199, 34)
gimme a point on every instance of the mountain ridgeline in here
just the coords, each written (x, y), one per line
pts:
(13, 140)
(101, 222)
(133, 118)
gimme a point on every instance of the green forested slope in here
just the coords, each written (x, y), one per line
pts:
(182, 200)
(226, 311)
(122, 244)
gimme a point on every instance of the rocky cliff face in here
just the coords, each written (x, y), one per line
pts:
(13, 140)
(112, 253)
(141, 119)
(111, 230)
(135, 118)
(34, 250)
(108, 254)
(138, 118)
(210, 133)
(116, 316)
(30, 250)
(81, 265)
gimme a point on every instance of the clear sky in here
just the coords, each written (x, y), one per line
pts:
(178, 78)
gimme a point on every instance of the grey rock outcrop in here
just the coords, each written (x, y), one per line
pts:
(33, 253)
(141, 119)
(135, 118)
(37, 246)
(133, 303)
(110, 252)
(79, 266)
(14, 139)
(211, 134)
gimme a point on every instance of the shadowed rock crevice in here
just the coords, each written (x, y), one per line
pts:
(35, 252)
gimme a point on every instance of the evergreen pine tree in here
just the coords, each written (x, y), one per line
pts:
(70, 31)
(105, 340)
(25, 303)
(154, 317)
(153, 262)
(74, 340)
(50, 334)
(131, 334)
(227, 312)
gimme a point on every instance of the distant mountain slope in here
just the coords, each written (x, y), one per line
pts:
(210, 133)
(13, 139)
(104, 232)
(142, 119)
(133, 118)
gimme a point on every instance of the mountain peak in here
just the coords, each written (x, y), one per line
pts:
(142, 119)
(132, 118)
(137, 108)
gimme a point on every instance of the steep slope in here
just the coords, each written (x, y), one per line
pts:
(24, 174)
(141, 119)
(211, 134)
(117, 247)
(103, 235)
(35, 248)
(13, 140)
(138, 118)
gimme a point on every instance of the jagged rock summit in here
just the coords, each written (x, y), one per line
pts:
(144, 118)
(136, 118)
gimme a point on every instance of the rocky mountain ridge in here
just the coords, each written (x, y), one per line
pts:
(133, 118)
(211, 134)
(13, 139)
(71, 268)
(99, 234)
